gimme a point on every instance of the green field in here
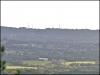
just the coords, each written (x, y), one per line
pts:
(50, 67)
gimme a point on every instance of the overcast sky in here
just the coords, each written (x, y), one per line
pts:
(44, 14)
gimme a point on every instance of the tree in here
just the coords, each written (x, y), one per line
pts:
(2, 63)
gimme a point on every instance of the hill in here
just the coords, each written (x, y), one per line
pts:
(70, 44)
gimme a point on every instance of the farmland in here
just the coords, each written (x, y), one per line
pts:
(44, 67)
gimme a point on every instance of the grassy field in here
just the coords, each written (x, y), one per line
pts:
(20, 67)
(37, 66)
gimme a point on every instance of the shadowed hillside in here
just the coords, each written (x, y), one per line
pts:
(25, 43)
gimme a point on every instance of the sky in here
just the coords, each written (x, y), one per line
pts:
(50, 14)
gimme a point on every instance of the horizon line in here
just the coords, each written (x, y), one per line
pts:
(50, 28)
